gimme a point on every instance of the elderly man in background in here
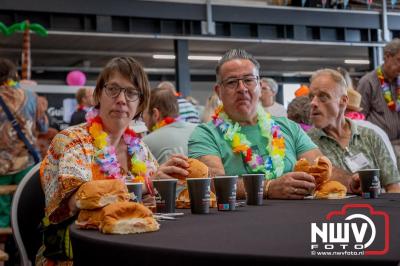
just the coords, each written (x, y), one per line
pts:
(380, 91)
(347, 145)
(269, 89)
(237, 140)
(84, 97)
(187, 111)
(169, 134)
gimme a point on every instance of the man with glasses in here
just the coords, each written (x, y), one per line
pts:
(243, 138)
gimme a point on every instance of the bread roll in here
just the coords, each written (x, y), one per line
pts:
(127, 218)
(331, 190)
(99, 193)
(321, 170)
(90, 219)
(196, 169)
(302, 165)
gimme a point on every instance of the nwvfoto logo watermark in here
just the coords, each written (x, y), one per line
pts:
(356, 229)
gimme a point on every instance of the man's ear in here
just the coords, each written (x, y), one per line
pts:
(156, 114)
(217, 90)
(344, 100)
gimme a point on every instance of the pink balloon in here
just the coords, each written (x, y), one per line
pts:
(76, 78)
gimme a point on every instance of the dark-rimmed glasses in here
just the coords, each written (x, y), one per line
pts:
(250, 82)
(114, 91)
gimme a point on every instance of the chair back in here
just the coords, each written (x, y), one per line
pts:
(27, 211)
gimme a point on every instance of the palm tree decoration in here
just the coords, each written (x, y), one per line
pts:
(25, 27)
(3, 28)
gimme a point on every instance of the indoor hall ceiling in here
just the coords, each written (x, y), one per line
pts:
(61, 53)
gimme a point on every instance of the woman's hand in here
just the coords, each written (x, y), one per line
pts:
(175, 167)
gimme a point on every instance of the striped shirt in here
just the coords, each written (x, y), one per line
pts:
(375, 107)
(187, 111)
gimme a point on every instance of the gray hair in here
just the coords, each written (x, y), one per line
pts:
(346, 76)
(235, 54)
(299, 110)
(335, 76)
(167, 85)
(393, 47)
(271, 83)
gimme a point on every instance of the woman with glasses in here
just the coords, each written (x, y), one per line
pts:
(104, 147)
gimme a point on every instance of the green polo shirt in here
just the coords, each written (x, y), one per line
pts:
(363, 140)
(207, 140)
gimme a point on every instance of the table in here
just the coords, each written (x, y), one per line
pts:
(278, 232)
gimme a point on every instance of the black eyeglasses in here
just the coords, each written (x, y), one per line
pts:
(250, 82)
(114, 91)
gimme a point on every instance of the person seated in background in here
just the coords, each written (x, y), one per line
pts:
(212, 103)
(104, 147)
(196, 104)
(353, 111)
(299, 112)
(269, 89)
(347, 145)
(186, 110)
(237, 140)
(15, 158)
(84, 97)
(168, 133)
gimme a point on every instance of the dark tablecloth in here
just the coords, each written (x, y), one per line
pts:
(278, 232)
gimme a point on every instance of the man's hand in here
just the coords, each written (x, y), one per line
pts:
(355, 185)
(293, 185)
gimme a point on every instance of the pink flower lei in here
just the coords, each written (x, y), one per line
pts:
(106, 157)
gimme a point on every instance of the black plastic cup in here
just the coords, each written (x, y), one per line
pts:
(135, 190)
(254, 187)
(370, 184)
(225, 189)
(199, 194)
(165, 192)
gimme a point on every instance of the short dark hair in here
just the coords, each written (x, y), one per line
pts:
(8, 70)
(165, 101)
(235, 54)
(131, 69)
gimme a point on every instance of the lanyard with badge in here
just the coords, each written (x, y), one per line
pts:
(355, 162)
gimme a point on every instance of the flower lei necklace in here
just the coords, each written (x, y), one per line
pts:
(273, 165)
(166, 121)
(11, 83)
(387, 93)
(106, 156)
